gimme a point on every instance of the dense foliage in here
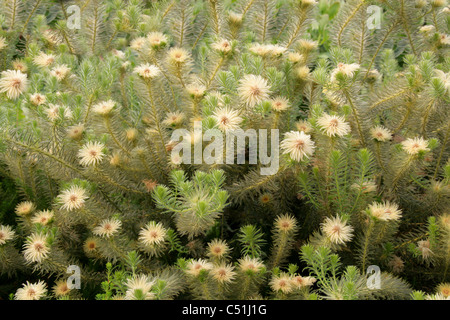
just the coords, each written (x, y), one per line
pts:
(91, 92)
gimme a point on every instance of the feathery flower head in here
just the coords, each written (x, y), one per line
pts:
(308, 3)
(415, 145)
(31, 291)
(20, 65)
(137, 43)
(277, 50)
(264, 50)
(43, 59)
(174, 119)
(194, 267)
(235, 18)
(424, 248)
(37, 99)
(336, 230)
(14, 83)
(131, 134)
(248, 264)
(385, 211)
(43, 217)
(75, 132)
(303, 125)
(153, 234)
(367, 186)
(6, 234)
(156, 39)
(36, 248)
(444, 289)
(177, 56)
(296, 57)
(60, 288)
(218, 248)
(223, 273)
(54, 112)
(333, 125)
(147, 71)
(444, 220)
(73, 198)
(196, 90)
(280, 104)
(307, 45)
(436, 296)
(285, 223)
(300, 282)
(90, 245)
(302, 72)
(60, 72)
(381, 134)
(438, 3)
(346, 70)
(91, 153)
(258, 49)
(139, 288)
(282, 282)
(223, 46)
(227, 119)
(104, 108)
(25, 208)
(298, 145)
(253, 89)
(107, 227)
(428, 29)
(444, 39)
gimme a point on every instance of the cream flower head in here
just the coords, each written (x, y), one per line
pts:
(91, 153)
(223, 273)
(282, 283)
(381, 134)
(37, 99)
(43, 59)
(31, 291)
(153, 234)
(104, 108)
(253, 89)
(43, 217)
(73, 198)
(60, 72)
(385, 211)
(14, 83)
(280, 104)
(227, 119)
(298, 145)
(25, 208)
(107, 228)
(333, 125)
(415, 145)
(156, 39)
(147, 71)
(6, 234)
(36, 248)
(194, 267)
(139, 288)
(336, 230)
